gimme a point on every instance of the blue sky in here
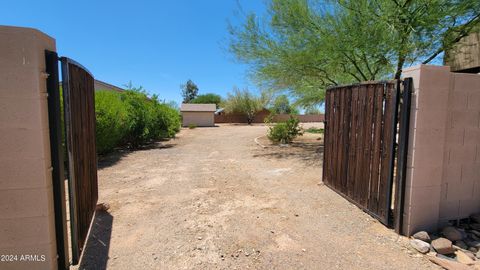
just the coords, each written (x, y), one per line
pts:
(156, 44)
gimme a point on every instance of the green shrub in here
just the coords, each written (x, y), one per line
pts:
(136, 104)
(192, 126)
(315, 130)
(164, 121)
(148, 119)
(132, 118)
(111, 120)
(285, 132)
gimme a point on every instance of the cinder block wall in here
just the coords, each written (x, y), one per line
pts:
(460, 194)
(442, 169)
(26, 201)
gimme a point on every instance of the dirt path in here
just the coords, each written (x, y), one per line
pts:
(214, 199)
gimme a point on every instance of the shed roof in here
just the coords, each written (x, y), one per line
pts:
(187, 107)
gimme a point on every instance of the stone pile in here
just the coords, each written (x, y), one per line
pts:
(452, 247)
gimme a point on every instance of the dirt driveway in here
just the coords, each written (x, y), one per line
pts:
(214, 199)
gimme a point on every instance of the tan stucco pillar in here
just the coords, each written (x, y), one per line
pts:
(443, 166)
(426, 147)
(27, 229)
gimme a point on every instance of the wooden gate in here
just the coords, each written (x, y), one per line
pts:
(361, 123)
(79, 114)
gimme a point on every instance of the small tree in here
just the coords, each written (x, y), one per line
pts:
(189, 91)
(245, 102)
(209, 98)
(282, 105)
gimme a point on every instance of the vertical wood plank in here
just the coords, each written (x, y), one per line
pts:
(367, 153)
(376, 151)
(387, 149)
(359, 164)
(352, 143)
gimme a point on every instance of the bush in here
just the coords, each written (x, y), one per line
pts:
(111, 120)
(132, 118)
(315, 130)
(192, 126)
(163, 121)
(285, 132)
(136, 104)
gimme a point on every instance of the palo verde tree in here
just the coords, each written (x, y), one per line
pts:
(281, 105)
(245, 102)
(305, 46)
(189, 91)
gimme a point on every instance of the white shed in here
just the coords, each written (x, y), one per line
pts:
(200, 115)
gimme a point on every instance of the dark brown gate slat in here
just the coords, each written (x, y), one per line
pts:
(368, 142)
(375, 158)
(345, 139)
(353, 143)
(359, 146)
(336, 120)
(79, 106)
(359, 165)
(388, 146)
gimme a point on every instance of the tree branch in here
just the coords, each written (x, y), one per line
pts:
(355, 64)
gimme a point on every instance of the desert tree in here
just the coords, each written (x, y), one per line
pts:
(281, 105)
(304, 46)
(245, 102)
(189, 91)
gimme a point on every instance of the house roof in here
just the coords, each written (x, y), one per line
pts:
(187, 107)
(100, 85)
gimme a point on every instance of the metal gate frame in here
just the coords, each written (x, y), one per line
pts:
(58, 175)
(398, 147)
(59, 164)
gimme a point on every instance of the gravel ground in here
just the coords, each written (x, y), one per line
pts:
(214, 199)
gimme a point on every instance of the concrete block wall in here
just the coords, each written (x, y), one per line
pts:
(460, 194)
(27, 228)
(442, 175)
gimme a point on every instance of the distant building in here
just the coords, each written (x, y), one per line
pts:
(200, 115)
(99, 85)
(465, 55)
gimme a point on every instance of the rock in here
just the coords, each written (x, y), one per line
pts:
(423, 236)
(103, 207)
(474, 237)
(477, 254)
(463, 258)
(447, 264)
(472, 243)
(471, 255)
(477, 233)
(461, 244)
(420, 246)
(475, 226)
(475, 218)
(443, 246)
(472, 249)
(446, 257)
(452, 234)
